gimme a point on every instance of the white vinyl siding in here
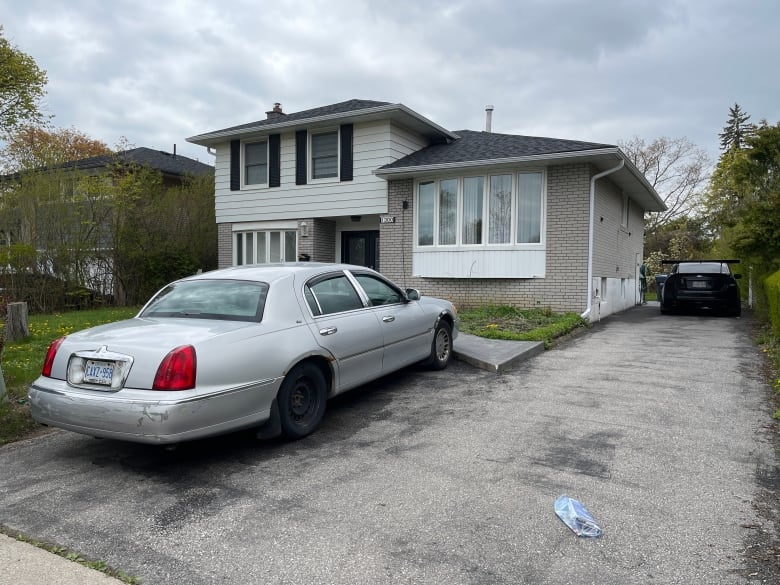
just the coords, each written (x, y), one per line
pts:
(374, 145)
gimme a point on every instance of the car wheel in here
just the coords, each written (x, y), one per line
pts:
(302, 400)
(441, 347)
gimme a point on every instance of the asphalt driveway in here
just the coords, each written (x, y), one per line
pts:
(658, 424)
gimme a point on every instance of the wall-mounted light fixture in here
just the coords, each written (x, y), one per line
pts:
(304, 229)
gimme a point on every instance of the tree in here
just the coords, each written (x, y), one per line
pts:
(677, 170)
(21, 87)
(744, 198)
(31, 147)
(736, 130)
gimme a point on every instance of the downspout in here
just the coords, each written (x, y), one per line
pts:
(591, 228)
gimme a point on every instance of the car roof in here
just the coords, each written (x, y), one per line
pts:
(271, 272)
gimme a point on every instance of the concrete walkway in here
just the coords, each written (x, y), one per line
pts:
(22, 563)
(494, 355)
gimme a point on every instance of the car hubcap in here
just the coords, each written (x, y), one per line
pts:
(303, 402)
(442, 345)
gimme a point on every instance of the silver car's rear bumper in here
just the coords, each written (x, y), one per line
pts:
(145, 416)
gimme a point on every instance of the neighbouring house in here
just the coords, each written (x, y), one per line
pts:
(476, 217)
(60, 224)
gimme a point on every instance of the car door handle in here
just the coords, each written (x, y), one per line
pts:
(328, 331)
(388, 318)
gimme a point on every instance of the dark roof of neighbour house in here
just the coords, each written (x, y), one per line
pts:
(472, 146)
(170, 165)
(165, 162)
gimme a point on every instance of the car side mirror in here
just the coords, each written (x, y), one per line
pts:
(412, 294)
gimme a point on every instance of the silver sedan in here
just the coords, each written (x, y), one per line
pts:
(248, 346)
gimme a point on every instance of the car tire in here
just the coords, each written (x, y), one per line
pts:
(301, 400)
(441, 347)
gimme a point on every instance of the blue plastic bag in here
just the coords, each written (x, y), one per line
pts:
(576, 517)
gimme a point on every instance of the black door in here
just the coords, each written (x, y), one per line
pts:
(361, 248)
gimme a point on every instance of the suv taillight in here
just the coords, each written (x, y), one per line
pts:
(177, 370)
(48, 361)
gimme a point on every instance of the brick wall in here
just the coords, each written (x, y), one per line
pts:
(320, 243)
(564, 286)
(224, 245)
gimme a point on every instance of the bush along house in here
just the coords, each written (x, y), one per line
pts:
(475, 217)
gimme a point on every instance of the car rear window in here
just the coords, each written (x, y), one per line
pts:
(227, 300)
(704, 268)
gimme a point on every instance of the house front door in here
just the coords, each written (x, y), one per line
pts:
(361, 248)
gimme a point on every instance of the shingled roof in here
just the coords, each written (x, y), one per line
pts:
(353, 110)
(168, 164)
(474, 146)
(333, 109)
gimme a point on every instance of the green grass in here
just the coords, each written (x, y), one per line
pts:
(101, 566)
(503, 322)
(21, 362)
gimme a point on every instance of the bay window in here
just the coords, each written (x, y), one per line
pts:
(503, 209)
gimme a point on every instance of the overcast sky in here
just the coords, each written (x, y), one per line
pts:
(158, 71)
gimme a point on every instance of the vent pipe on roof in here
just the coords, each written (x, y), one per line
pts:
(488, 117)
(174, 150)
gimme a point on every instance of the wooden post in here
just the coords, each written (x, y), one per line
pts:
(16, 326)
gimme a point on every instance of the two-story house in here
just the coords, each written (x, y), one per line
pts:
(476, 217)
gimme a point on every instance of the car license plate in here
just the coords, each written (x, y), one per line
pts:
(698, 284)
(97, 372)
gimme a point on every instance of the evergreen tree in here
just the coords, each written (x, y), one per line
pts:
(736, 130)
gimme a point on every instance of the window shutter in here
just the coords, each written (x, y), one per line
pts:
(274, 160)
(300, 157)
(346, 152)
(235, 165)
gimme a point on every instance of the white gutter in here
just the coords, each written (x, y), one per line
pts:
(591, 229)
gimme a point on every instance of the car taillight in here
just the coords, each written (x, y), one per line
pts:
(48, 361)
(177, 370)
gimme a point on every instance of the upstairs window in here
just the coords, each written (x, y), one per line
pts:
(256, 163)
(325, 155)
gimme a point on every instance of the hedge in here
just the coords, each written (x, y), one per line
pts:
(772, 288)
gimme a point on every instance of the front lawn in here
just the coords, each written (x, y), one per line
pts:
(22, 360)
(504, 322)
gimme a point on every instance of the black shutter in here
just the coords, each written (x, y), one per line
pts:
(274, 161)
(300, 157)
(346, 152)
(235, 165)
